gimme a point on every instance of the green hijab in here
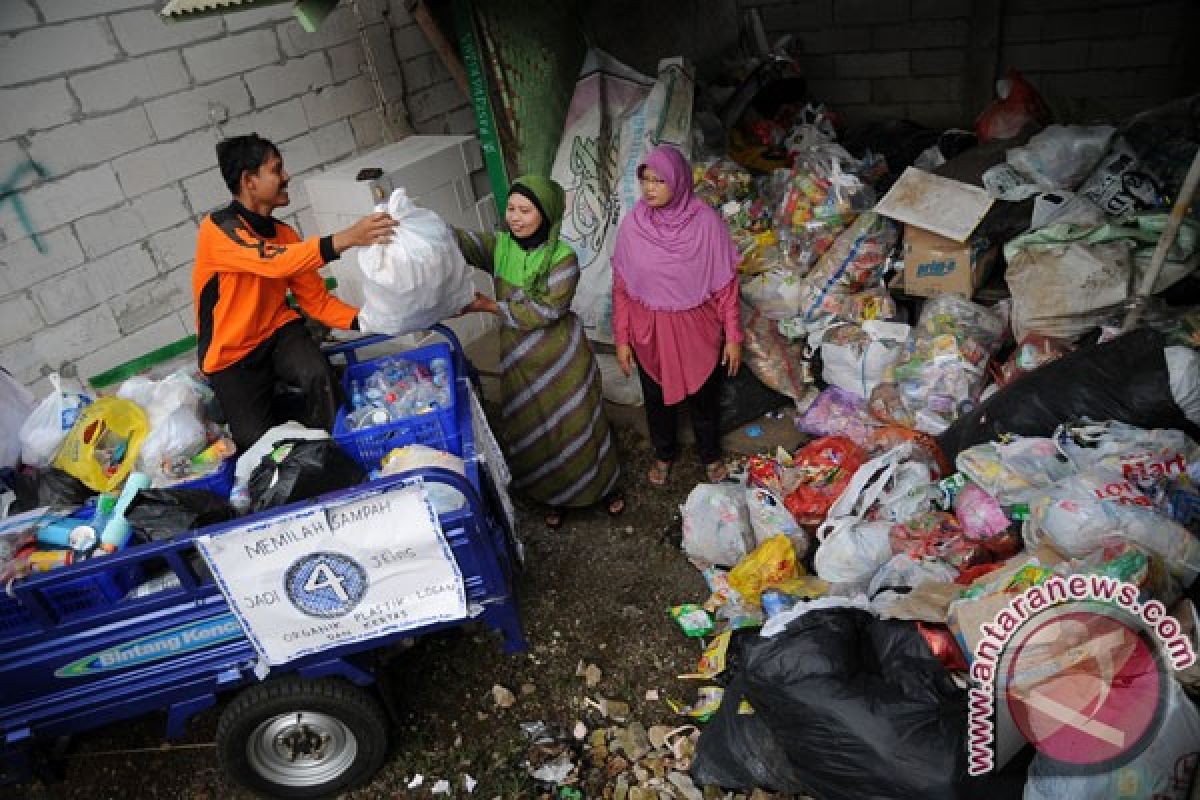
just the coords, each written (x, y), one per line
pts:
(526, 269)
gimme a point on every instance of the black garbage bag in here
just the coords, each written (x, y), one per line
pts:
(163, 513)
(59, 490)
(308, 468)
(1125, 379)
(744, 398)
(858, 707)
(738, 751)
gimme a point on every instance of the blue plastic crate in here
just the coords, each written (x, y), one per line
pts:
(437, 429)
(70, 596)
(219, 481)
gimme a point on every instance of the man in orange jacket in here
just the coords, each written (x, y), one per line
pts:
(246, 262)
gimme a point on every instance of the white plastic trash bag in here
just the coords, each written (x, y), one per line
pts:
(1081, 513)
(716, 524)
(1061, 156)
(419, 278)
(16, 404)
(47, 426)
(769, 517)
(851, 551)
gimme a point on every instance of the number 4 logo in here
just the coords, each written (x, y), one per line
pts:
(323, 577)
(325, 584)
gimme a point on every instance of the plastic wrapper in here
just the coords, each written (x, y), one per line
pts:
(905, 572)
(720, 181)
(1014, 471)
(834, 307)
(1061, 156)
(854, 263)
(937, 534)
(769, 518)
(771, 563)
(925, 448)
(779, 364)
(776, 293)
(837, 412)
(1142, 455)
(945, 366)
(1033, 351)
(1017, 104)
(819, 197)
(825, 468)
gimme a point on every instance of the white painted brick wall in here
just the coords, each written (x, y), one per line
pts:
(174, 247)
(231, 54)
(78, 336)
(269, 85)
(59, 10)
(150, 302)
(338, 27)
(153, 212)
(334, 102)
(17, 14)
(158, 165)
(19, 318)
(60, 201)
(88, 286)
(279, 122)
(140, 32)
(120, 349)
(255, 17)
(346, 61)
(206, 191)
(188, 111)
(68, 147)
(54, 49)
(22, 264)
(126, 82)
(35, 107)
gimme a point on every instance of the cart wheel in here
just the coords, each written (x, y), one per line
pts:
(302, 738)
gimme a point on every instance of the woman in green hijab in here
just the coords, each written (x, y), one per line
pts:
(552, 425)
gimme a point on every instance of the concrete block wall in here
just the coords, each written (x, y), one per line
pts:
(935, 61)
(121, 112)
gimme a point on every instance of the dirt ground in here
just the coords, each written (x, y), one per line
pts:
(594, 592)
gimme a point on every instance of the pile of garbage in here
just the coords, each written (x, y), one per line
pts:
(966, 449)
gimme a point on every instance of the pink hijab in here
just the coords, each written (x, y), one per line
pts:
(676, 257)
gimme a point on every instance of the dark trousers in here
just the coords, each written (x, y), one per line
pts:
(704, 408)
(246, 390)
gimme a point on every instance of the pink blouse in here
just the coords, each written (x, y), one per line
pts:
(678, 349)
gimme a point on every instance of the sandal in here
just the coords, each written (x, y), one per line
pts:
(614, 504)
(716, 472)
(658, 473)
(555, 518)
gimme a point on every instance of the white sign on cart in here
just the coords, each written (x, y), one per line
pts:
(328, 576)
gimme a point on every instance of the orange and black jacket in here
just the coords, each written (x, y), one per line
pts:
(245, 265)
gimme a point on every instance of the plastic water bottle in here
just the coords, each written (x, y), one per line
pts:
(357, 400)
(441, 372)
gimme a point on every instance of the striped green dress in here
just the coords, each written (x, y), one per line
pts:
(552, 426)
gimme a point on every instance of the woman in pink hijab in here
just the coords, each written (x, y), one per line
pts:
(675, 308)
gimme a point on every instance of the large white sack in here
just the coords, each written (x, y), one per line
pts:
(419, 278)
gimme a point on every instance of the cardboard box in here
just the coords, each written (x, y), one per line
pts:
(935, 265)
(942, 252)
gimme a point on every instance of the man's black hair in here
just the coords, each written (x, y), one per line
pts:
(239, 154)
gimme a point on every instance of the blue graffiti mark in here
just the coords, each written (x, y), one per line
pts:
(10, 192)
